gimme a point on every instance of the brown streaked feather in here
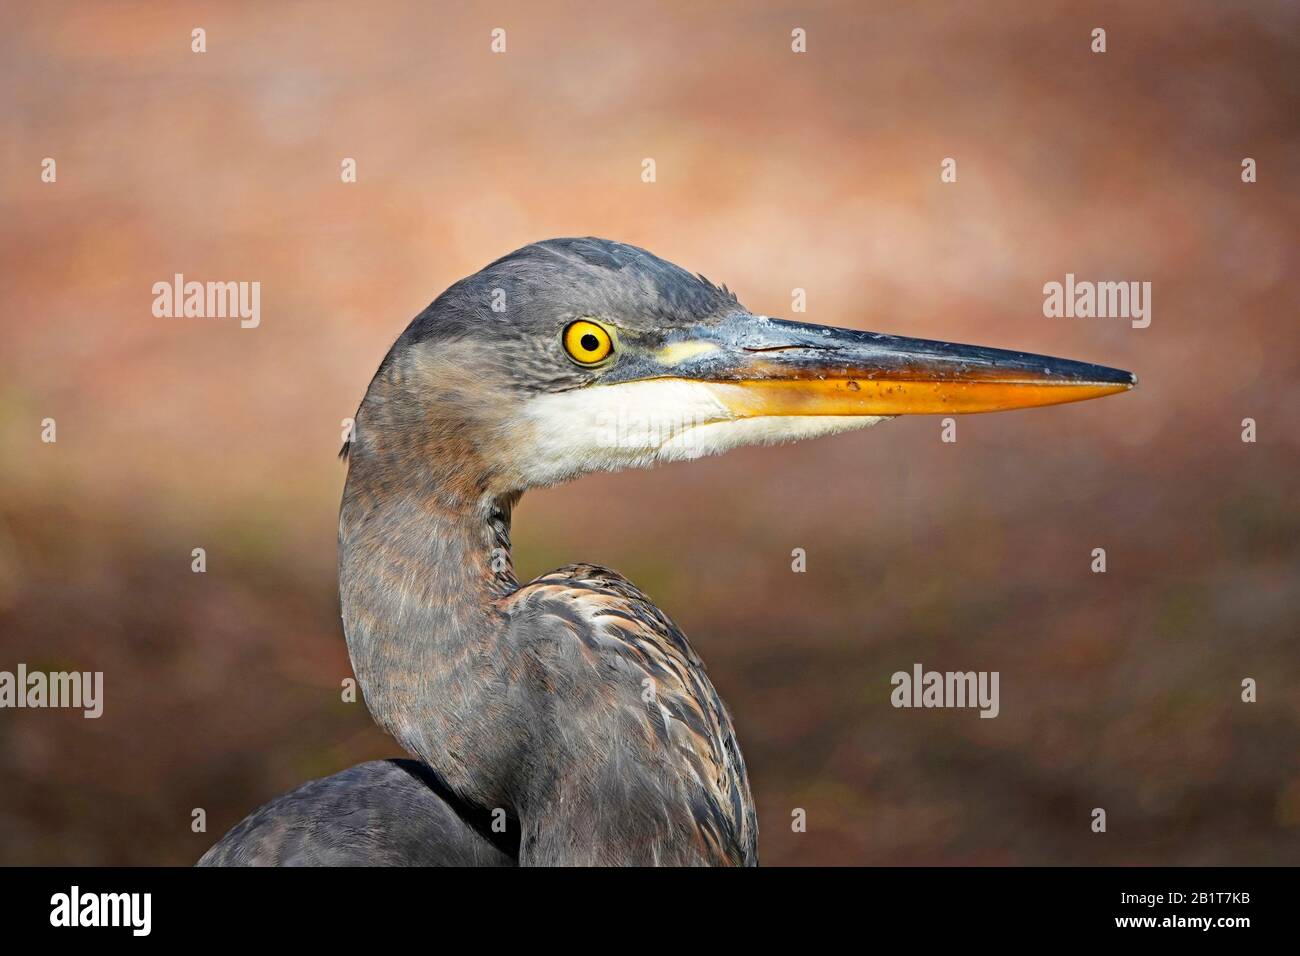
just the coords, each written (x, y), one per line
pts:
(680, 791)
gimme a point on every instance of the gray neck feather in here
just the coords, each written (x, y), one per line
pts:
(424, 561)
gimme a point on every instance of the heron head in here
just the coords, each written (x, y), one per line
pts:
(578, 355)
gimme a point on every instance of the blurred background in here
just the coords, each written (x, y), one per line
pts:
(775, 171)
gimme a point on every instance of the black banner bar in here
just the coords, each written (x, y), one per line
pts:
(1165, 904)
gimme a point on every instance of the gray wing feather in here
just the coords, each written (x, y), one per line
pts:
(383, 813)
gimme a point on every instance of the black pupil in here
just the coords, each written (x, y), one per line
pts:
(589, 342)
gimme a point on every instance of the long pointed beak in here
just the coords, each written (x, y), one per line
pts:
(759, 366)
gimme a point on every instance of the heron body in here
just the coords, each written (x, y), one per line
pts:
(382, 813)
(570, 709)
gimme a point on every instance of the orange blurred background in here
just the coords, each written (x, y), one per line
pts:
(775, 171)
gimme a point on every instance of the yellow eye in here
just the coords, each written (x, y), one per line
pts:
(587, 343)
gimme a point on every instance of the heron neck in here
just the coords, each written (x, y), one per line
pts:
(424, 559)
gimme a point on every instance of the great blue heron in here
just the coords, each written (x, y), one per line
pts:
(568, 720)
